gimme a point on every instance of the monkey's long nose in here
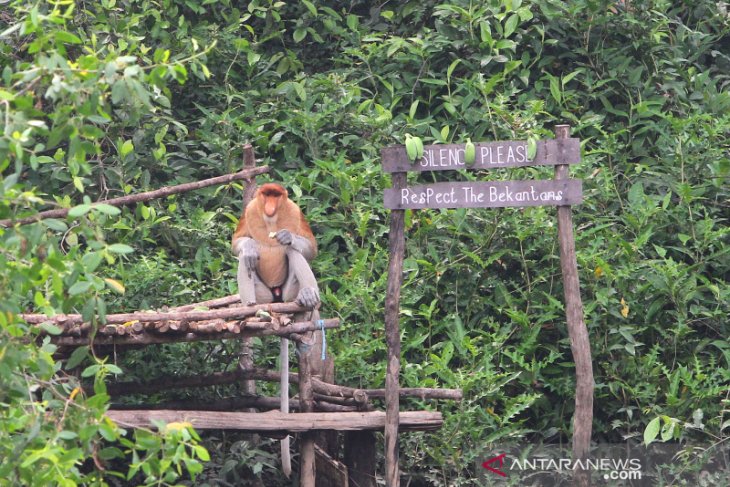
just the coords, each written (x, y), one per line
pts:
(270, 208)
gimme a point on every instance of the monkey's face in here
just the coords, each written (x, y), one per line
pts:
(272, 196)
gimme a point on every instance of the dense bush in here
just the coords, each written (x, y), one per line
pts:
(103, 99)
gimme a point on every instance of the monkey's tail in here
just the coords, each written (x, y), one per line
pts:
(284, 405)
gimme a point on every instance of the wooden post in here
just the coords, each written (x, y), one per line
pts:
(246, 361)
(579, 341)
(307, 465)
(396, 249)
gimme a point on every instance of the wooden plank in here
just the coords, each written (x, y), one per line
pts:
(579, 341)
(486, 194)
(489, 155)
(276, 421)
(246, 359)
(396, 248)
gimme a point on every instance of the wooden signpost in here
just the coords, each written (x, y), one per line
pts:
(561, 192)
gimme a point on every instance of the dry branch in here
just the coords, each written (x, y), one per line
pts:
(148, 195)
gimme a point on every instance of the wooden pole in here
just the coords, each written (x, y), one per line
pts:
(396, 248)
(148, 195)
(577, 331)
(307, 465)
(246, 360)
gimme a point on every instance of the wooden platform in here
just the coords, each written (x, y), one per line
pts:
(276, 421)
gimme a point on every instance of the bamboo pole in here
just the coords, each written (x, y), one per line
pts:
(577, 331)
(148, 195)
(392, 337)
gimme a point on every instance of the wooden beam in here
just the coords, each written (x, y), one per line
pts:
(489, 155)
(136, 198)
(154, 338)
(485, 194)
(276, 421)
(237, 313)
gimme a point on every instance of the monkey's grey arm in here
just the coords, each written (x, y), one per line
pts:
(301, 244)
(247, 251)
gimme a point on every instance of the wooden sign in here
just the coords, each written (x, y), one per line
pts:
(486, 194)
(489, 155)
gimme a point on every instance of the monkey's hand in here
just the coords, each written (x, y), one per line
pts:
(297, 242)
(308, 297)
(284, 237)
(248, 252)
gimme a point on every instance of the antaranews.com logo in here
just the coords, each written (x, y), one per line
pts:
(607, 465)
(611, 468)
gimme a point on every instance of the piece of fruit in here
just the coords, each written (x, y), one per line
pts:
(470, 152)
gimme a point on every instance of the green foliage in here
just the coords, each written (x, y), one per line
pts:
(105, 99)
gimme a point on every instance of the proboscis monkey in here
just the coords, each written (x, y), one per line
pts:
(274, 245)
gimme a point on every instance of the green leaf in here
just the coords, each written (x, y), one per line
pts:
(555, 88)
(511, 25)
(127, 147)
(299, 35)
(106, 209)
(114, 369)
(79, 287)
(77, 357)
(352, 22)
(668, 431)
(91, 370)
(51, 329)
(79, 210)
(120, 249)
(63, 36)
(202, 453)
(310, 6)
(652, 430)
(55, 224)
(531, 148)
